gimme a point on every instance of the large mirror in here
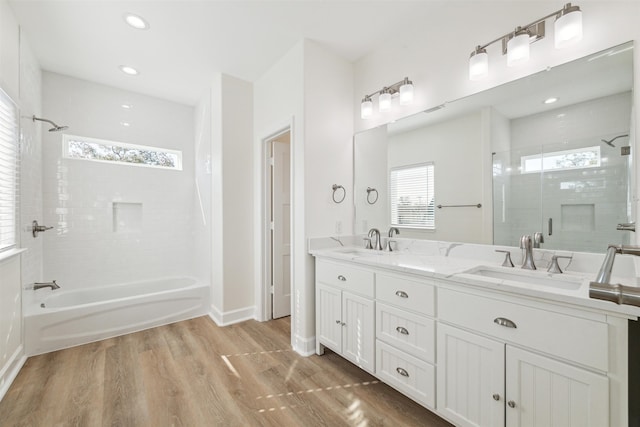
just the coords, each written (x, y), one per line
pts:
(548, 153)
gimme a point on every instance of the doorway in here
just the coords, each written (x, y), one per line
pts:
(279, 233)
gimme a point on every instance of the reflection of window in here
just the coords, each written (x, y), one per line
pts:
(411, 193)
(588, 157)
(77, 147)
(8, 171)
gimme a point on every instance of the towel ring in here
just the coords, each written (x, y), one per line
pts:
(335, 188)
(369, 191)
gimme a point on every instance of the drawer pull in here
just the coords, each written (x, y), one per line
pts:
(337, 322)
(402, 372)
(504, 322)
(496, 396)
(402, 330)
(342, 278)
(402, 294)
(511, 404)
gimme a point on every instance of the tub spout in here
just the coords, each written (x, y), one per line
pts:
(53, 285)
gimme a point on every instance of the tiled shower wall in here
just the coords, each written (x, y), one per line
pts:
(585, 204)
(30, 163)
(115, 223)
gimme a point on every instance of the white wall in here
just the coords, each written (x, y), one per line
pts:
(232, 203)
(203, 190)
(310, 89)
(85, 250)
(370, 162)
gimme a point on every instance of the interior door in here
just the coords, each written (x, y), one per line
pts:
(280, 234)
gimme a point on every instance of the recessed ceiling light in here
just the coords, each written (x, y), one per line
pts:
(550, 100)
(136, 21)
(125, 124)
(129, 70)
(127, 106)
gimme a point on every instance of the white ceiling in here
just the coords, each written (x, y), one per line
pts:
(190, 40)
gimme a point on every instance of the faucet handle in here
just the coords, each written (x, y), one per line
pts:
(507, 258)
(388, 245)
(368, 245)
(555, 267)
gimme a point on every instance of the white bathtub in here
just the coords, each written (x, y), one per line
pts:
(58, 319)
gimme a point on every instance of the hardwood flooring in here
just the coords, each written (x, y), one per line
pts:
(193, 374)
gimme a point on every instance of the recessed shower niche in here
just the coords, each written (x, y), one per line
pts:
(127, 217)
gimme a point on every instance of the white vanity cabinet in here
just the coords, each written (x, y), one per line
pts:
(405, 336)
(487, 376)
(345, 312)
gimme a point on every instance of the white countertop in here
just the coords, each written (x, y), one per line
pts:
(458, 269)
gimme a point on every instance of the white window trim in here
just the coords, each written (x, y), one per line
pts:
(428, 227)
(66, 138)
(9, 240)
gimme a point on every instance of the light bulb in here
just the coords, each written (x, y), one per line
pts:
(384, 101)
(518, 49)
(366, 108)
(406, 92)
(568, 26)
(478, 64)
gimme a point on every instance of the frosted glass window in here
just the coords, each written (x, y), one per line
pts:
(580, 158)
(99, 150)
(411, 192)
(8, 171)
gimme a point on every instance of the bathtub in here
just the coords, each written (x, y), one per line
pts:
(59, 319)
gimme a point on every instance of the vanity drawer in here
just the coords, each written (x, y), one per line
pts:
(409, 332)
(413, 377)
(345, 277)
(576, 339)
(406, 293)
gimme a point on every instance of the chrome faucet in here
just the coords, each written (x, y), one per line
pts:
(526, 244)
(604, 275)
(374, 232)
(53, 285)
(538, 238)
(389, 241)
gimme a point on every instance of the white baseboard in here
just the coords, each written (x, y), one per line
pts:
(230, 317)
(304, 346)
(10, 371)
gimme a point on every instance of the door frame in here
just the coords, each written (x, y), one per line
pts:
(263, 272)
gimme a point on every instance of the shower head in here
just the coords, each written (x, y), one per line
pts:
(610, 142)
(55, 127)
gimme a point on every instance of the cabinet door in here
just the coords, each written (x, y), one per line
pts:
(329, 317)
(544, 392)
(358, 330)
(470, 378)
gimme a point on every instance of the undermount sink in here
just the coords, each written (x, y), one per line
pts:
(528, 277)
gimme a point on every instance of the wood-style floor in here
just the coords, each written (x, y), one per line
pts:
(193, 374)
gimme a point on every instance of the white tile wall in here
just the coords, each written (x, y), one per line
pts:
(532, 199)
(79, 195)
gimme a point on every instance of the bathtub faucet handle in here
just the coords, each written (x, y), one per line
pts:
(35, 228)
(39, 285)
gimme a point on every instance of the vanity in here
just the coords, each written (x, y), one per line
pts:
(477, 343)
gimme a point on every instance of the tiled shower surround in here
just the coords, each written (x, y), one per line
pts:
(115, 223)
(585, 204)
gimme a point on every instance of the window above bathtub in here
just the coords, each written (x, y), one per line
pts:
(100, 150)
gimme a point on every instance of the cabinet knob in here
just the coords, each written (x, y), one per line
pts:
(402, 372)
(503, 321)
(342, 278)
(496, 396)
(337, 322)
(343, 324)
(511, 404)
(402, 294)
(402, 330)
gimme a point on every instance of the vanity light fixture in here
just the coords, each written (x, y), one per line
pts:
(129, 70)
(516, 44)
(403, 89)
